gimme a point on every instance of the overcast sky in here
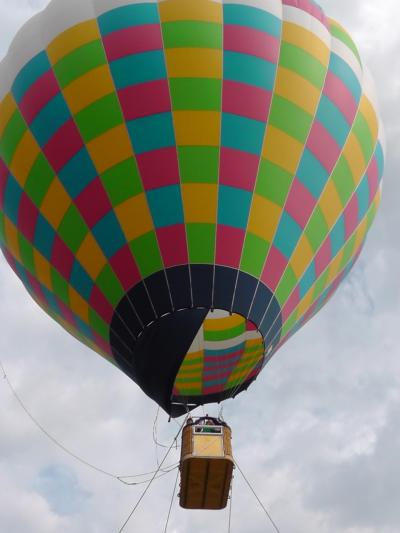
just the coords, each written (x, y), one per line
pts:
(318, 434)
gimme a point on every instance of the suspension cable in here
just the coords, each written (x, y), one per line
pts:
(257, 498)
(121, 479)
(230, 509)
(172, 501)
(152, 479)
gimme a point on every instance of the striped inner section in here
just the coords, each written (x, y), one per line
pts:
(227, 350)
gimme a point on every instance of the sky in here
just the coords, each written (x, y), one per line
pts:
(318, 434)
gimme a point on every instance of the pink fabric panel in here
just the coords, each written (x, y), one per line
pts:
(323, 146)
(64, 144)
(159, 168)
(134, 40)
(38, 95)
(229, 246)
(62, 258)
(252, 42)
(145, 99)
(27, 217)
(340, 95)
(173, 246)
(323, 257)
(125, 268)
(300, 203)
(274, 268)
(93, 203)
(246, 100)
(101, 305)
(291, 304)
(238, 169)
(373, 179)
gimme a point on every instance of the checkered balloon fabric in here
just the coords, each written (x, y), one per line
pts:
(204, 169)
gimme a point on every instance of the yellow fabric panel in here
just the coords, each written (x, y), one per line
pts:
(264, 217)
(282, 149)
(11, 236)
(200, 202)
(369, 113)
(91, 257)
(306, 302)
(78, 305)
(355, 158)
(134, 217)
(110, 148)
(194, 63)
(42, 269)
(205, 10)
(334, 268)
(361, 233)
(24, 157)
(307, 40)
(297, 89)
(55, 203)
(330, 204)
(197, 128)
(88, 88)
(219, 324)
(302, 256)
(7, 109)
(71, 39)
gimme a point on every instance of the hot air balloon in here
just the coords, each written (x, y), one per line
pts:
(185, 183)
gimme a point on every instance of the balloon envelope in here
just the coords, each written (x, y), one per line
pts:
(184, 183)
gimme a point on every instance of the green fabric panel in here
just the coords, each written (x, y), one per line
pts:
(199, 164)
(364, 136)
(225, 334)
(39, 180)
(122, 181)
(346, 39)
(98, 324)
(254, 253)
(294, 58)
(60, 286)
(371, 215)
(147, 254)
(73, 229)
(99, 117)
(348, 251)
(286, 286)
(290, 118)
(26, 251)
(317, 229)
(273, 182)
(341, 178)
(109, 284)
(80, 61)
(201, 241)
(192, 34)
(195, 94)
(288, 325)
(12, 136)
(320, 284)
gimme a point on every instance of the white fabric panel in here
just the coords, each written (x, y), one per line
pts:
(307, 21)
(102, 6)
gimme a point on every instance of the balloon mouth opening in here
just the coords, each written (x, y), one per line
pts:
(188, 344)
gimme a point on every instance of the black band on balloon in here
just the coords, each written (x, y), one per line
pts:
(155, 323)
